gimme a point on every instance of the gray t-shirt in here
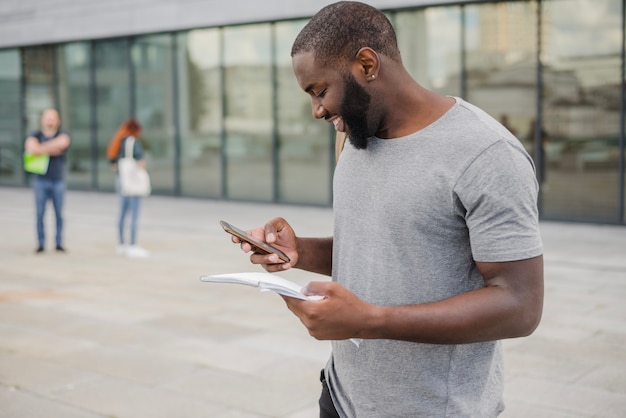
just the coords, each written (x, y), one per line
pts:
(412, 215)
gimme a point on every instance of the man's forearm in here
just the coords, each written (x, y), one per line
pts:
(506, 307)
(57, 145)
(53, 147)
(315, 255)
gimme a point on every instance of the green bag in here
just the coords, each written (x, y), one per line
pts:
(37, 164)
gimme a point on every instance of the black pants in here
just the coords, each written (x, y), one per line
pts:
(327, 408)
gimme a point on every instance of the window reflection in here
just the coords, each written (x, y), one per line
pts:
(581, 116)
(501, 63)
(248, 112)
(152, 63)
(39, 83)
(74, 102)
(200, 112)
(304, 147)
(10, 118)
(430, 43)
(112, 74)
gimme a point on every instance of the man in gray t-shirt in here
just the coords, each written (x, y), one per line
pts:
(436, 253)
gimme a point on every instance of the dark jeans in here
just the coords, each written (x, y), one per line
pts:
(327, 408)
(46, 189)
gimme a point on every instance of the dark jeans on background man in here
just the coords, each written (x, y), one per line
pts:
(49, 189)
(327, 408)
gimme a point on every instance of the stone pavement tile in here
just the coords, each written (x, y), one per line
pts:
(38, 343)
(550, 363)
(517, 409)
(610, 378)
(118, 311)
(296, 345)
(227, 357)
(207, 327)
(293, 367)
(39, 376)
(565, 330)
(580, 243)
(20, 404)
(119, 398)
(237, 413)
(582, 287)
(569, 362)
(306, 374)
(261, 395)
(112, 334)
(569, 398)
(312, 412)
(578, 328)
(139, 365)
(611, 338)
(599, 320)
(33, 314)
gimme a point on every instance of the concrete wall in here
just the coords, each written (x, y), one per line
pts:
(36, 22)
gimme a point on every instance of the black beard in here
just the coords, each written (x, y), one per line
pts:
(354, 110)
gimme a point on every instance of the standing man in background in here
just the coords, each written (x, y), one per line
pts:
(50, 140)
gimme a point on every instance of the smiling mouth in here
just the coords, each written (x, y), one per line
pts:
(338, 123)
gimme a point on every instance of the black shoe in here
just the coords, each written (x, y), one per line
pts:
(60, 249)
(39, 250)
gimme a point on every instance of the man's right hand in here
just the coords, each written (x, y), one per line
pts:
(278, 233)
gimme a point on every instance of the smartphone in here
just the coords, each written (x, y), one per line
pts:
(260, 246)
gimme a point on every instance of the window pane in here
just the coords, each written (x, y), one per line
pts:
(248, 117)
(112, 100)
(501, 63)
(10, 118)
(304, 154)
(581, 116)
(200, 112)
(73, 74)
(38, 77)
(430, 43)
(152, 62)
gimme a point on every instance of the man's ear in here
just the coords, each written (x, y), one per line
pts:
(367, 63)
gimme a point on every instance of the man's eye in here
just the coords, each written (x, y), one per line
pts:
(321, 93)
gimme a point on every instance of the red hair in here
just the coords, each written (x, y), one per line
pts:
(130, 127)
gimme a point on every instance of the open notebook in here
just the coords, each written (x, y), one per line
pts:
(264, 281)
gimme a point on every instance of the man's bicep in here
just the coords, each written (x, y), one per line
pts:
(521, 273)
(522, 281)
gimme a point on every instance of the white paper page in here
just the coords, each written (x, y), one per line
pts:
(264, 281)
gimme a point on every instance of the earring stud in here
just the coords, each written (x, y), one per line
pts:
(373, 76)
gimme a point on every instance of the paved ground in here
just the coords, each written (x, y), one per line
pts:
(90, 334)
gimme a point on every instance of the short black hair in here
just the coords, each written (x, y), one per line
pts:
(338, 31)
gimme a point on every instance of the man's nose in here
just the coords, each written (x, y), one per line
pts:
(318, 110)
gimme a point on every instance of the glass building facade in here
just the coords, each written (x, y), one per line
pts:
(224, 117)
